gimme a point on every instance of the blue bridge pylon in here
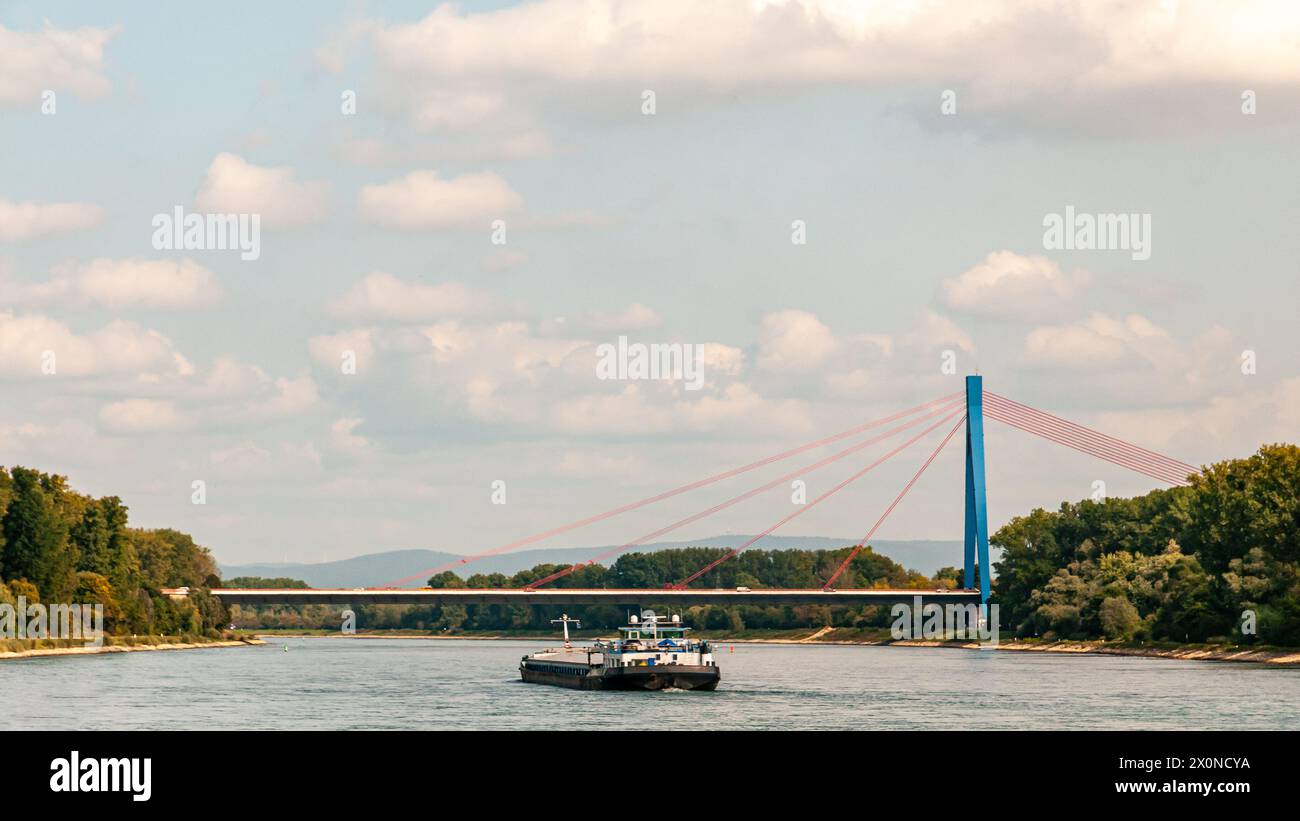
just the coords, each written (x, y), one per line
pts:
(977, 517)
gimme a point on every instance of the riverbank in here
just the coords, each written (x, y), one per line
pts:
(127, 647)
(880, 638)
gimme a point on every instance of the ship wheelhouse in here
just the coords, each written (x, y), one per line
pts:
(650, 641)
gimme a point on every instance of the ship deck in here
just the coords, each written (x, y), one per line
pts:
(575, 656)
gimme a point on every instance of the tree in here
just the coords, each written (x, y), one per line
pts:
(36, 535)
(1119, 618)
(445, 579)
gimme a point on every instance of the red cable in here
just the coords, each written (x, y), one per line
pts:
(894, 503)
(1037, 429)
(669, 493)
(1173, 462)
(1029, 428)
(802, 510)
(1130, 457)
(1113, 453)
(1124, 458)
(747, 495)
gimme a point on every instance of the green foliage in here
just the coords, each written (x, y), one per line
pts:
(279, 582)
(754, 568)
(57, 545)
(1178, 565)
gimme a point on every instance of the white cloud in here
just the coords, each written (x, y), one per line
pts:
(636, 317)
(21, 221)
(235, 186)
(1224, 424)
(129, 283)
(1043, 63)
(1009, 285)
(386, 297)
(250, 461)
(1129, 361)
(328, 350)
(1097, 342)
(132, 416)
(800, 355)
(290, 397)
(344, 439)
(639, 409)
(794, 341)
(117, 348)
(54, 59)
(422, 200)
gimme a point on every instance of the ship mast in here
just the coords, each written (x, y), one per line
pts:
(565, 620)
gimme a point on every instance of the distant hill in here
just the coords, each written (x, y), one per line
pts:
(380, 568)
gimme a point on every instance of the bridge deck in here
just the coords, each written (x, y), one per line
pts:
(648, 596)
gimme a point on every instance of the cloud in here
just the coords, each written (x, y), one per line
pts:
(20, 221)
(475, 373)
(1130, 362)
(235, 186)
(1008, 285)
(328, 350)
(345, 441)
(794, 341)
(800, 355)
(1053, 66)
(125, 283)
(53, 59)
(383, 296)
(1098, 342)
(139, 416)
(638, 409)
(27, 341)
(1226, 423)
(423, 200)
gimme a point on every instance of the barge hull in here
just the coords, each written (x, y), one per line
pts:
(659, 677)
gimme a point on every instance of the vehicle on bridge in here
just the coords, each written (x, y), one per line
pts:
(649, 654)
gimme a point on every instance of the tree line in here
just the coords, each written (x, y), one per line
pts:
(753, 568)
(60, 546)
(1215, 561)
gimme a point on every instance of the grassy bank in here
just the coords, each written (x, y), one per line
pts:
(37, 648)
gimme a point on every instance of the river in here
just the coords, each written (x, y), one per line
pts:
(325, 683)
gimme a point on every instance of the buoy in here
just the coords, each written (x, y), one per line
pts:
(286, 648)
(733, 649)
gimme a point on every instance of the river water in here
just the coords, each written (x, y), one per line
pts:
(326, 683)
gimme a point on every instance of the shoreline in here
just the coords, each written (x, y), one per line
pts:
(1274, 656)
(124, 648)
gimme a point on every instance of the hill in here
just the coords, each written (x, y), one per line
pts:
(373, 569)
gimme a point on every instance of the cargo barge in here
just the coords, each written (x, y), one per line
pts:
(649, 654)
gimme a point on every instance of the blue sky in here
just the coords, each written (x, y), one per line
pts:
(476, 361)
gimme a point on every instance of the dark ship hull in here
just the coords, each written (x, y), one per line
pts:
(653, 677)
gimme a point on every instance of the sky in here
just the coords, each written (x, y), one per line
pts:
(458, 205)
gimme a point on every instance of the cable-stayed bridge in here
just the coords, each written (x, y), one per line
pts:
(941, 418)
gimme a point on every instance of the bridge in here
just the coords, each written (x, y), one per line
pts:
(973, 406)
(668, 597)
